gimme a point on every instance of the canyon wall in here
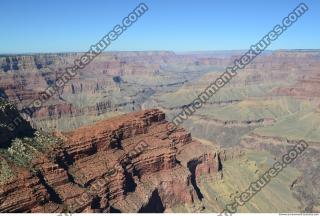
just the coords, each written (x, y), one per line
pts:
(113, 83)
(128, 163)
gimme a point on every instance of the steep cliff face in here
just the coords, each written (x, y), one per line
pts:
(23, 193)
(142, 151)
(128, 163)
(113, 82)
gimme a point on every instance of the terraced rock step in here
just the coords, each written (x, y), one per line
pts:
(128, 164)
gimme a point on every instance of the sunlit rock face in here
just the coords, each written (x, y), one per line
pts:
(126, 163)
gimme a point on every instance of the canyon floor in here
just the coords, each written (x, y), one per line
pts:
(102, 142)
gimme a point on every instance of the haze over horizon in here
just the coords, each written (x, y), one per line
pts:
(35, 27)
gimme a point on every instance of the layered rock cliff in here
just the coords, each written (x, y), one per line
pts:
(113, 82)
(128, 164)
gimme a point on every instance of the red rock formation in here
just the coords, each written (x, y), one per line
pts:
(23, 193)
(123, 163)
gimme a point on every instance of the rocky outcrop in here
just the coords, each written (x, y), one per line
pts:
(144, 136)
(23, 193)
(128, 164)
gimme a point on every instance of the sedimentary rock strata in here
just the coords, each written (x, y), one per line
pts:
(127, 164)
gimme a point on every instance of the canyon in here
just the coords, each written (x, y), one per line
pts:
(101, 144)
(125, 164)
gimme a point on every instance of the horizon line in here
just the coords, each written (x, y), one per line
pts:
(176, 52)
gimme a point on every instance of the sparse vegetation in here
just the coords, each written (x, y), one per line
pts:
(22, 151)
(4, 104)
(6, 174)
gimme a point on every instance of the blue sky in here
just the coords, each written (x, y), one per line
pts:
(70, 25)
